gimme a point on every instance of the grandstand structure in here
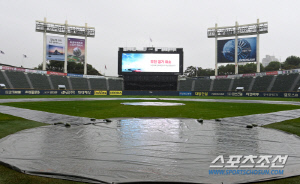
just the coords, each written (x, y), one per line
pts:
(285, 82)
(23, 80)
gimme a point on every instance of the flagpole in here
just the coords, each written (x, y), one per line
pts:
(22, 61)
(1, 52)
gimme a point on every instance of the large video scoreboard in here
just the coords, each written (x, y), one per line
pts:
(150, 61)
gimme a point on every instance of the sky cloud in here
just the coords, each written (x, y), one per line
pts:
(130, 23)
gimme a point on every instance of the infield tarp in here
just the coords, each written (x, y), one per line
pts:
(155, 149)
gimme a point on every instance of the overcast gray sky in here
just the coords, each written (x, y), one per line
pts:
(131, 23)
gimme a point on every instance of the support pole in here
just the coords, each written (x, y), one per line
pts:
(85, 50)
(257, 48)
(66, 48)
(44, 45)
(216, 51)
(236, 49)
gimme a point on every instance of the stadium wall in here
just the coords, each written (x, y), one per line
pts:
(149, 93)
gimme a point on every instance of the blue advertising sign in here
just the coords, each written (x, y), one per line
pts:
(246, 50)
(75, 75)
(185, 93)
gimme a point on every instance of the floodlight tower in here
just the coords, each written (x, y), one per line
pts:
(64, 29)
(235, 31)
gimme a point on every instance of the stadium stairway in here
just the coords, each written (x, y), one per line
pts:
(39, 81)
(284, 82)
(5, 80)
(261, 83)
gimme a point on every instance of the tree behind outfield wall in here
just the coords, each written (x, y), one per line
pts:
(228, 69)
(191, 71)
(73, 67)
(291, 62)
(273, 66)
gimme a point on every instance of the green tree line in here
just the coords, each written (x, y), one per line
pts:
(73, 67)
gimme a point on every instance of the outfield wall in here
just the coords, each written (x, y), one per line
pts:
(149, 93)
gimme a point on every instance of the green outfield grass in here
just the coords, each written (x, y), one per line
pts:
(114, 108)
(109, 109)
(148, 96)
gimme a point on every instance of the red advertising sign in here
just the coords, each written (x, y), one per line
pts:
(248, 74)
(56, 73)
(272, 73)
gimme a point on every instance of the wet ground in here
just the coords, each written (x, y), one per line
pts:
(143, 149)
(131, 150)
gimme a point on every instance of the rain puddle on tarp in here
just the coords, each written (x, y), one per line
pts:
(156, 149)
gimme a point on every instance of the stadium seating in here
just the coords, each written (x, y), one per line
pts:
(18, 79)
(59, 80)
(3, 81)
(221, 84)
(115, 84)
(242, 82)
(99, 84)
(39, 81)
(79, 83)
(284, 82)
(279, 83)
(297, 85)
(262, 83)
(185, 85)
(202, 84)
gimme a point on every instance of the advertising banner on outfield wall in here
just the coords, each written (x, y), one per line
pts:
(246, 50)
(56, 73)
(76, 50)
(93, 76)
(100, 92)
(159, 93)
(55, 48)
(115, 92)
(185, 93)
(45, 92)
(74, 75)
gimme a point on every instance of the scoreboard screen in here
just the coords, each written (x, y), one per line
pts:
(137, 63)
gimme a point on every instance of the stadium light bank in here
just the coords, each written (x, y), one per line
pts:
(64, 29)
(237, 30)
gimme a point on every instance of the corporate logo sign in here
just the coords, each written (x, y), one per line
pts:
(185, 93)
(249, 165)
(246, 50)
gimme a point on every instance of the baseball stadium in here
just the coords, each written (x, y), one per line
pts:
(151, 123)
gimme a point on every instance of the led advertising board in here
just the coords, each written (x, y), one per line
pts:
(147, 63)
(143, 62)
(246, 50)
